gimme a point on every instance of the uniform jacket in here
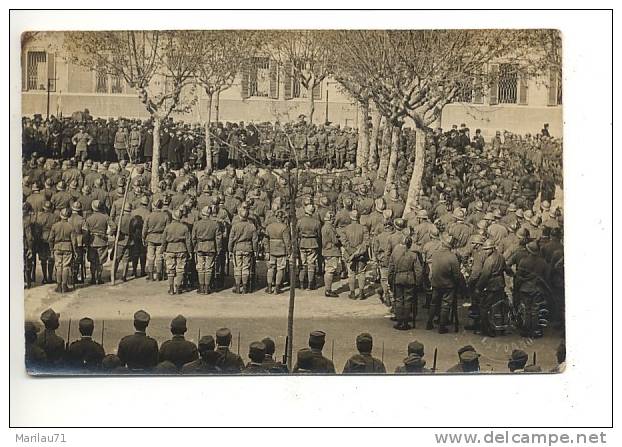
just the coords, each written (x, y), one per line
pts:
(138, 351)
(207, 236)
(176, 238)
(445, 270)
(243, 237)
(309, 232)
(277, 239)
(178, 351)
(405, 269)
(85, 354)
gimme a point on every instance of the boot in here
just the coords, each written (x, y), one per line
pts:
(269, 288)
(50, 271)
(352, 295)
(44, 270)
(171, 286)
(330, 294)
(277, 290)
(200, 289)
(149, 277)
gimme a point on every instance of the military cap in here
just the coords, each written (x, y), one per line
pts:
(65, 213)
(61, 186)
(86, 325)
(545, 205)
(179, 322)
(144, 200)
(354, 215)
(142, 316)
(422, 214)
(533, 248)
(489, 217)
(465, 348)
(269, 345)
(309, 209)
(528, 214)
(400, 223)
(258, 348)
(49, 316)
(127, 207)
(364, 338)
(317, 335)
(121, 182)
(482, 224)
(207, 343)
(519, 213)
(35, 187)
(459, 214)
(511, 208)
(416, 347)
(519, 355)
(73, 184)
(479, 206)
(223, 333)
(414, 360)
(95, 205)
(488, 245)
(328, 216)
(136, 182)
(48, 182)
(76, 206)
(469, 356)
(478, 239)
(347, 202)
(176, 215)
(87, 189)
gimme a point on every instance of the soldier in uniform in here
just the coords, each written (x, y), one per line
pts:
(405, 276)
(207, 241)
(518, 361)
(490, 284)
(138, 253)
(319, 363)
(445, 278)
(62, 240)
(256, 353)
(355, 240)
(230, 362)
(153, 228)
(331, 252)
(96, 241)
(309, 233)
(414, 362)
(531, 287)
(28, 244)
(125, 241)
(468, 360)
(304, 361)
(178, 350)
(243, 240)
(85, 354)
(363, 362)
(42, 226)
(209, 360)
(138, 351)
(52, 344)
(35, 357)
(269, 363)
(176, 246)
(380, 246)
(278, 246)
(77, 222)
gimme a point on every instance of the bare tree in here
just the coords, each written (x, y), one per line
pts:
(304, 56)
(219, 62)
(414, 74)
(158, 65)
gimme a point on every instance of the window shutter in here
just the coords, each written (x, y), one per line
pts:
(522, 90)
(24, 71)
(52, 71)
(245, 77)
(552, 87)
(287, 78)
(494, 84)
(274, 79)
(317, 91)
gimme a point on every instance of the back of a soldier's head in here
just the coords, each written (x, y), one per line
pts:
(364, 343)
(257, 351)
(86, 327)
(141, 320)
(223, 337)
(317, 340)
(270, 346)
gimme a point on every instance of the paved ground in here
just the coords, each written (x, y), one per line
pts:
(258, 315)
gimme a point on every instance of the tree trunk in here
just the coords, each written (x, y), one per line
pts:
(311, 105)
(373, 144)
(385, 143)
(415, 181)
(208, 134)
(395, 147)
(362, 152)
(217, 106)
(155, 163)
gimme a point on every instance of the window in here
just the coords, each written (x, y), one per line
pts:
(465, 91)
(116, 84)
(101, 81)
(508, 83)
(36, 70)
(259, 77)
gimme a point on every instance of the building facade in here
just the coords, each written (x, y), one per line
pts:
(52, 84)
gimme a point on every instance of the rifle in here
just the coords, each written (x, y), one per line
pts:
(103, 324)
(199, 336)
(332, 352)
(285, 352)
(238, 343)
(68, 336)
(534, 357)
(434, 361)
(382, 354)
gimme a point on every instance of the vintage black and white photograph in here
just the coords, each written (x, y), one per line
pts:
(273, 202)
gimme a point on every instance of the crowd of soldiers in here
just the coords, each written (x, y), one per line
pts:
(483, 224)
(47, 352)
(235, 144)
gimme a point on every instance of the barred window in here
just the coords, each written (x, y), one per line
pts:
(36, 70)
(116, 84)
(465, 91)
(259, 77)
(101, 81)
(508, 83)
